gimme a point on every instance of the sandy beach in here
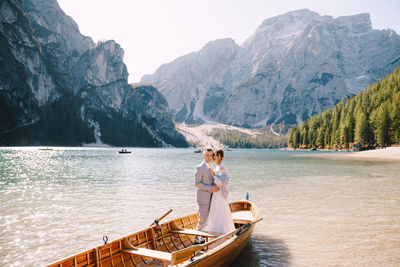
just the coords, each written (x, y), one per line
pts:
(386, 154)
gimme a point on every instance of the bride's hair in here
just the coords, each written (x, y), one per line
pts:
(220, 152)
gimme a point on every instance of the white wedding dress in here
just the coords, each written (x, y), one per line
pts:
(220, 216)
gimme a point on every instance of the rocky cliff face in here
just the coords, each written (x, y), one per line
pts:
(293, 66)
(189, 80)
(59, 87)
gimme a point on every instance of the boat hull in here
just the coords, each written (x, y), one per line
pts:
(170, 243)
(227, 254)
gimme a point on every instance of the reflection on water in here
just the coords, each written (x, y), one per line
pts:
(264, 251)
(316, 212)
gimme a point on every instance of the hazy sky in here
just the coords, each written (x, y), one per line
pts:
(154, 32)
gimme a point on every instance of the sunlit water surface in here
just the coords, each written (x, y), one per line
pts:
(317, 212)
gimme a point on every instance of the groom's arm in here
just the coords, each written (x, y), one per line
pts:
(198, 183)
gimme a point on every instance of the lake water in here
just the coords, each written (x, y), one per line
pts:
(317, 212)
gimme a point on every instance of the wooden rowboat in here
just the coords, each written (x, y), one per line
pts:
(172, 244)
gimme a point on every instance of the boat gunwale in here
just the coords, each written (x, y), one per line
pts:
(248, 205)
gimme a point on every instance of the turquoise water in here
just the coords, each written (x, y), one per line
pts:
(317, 212)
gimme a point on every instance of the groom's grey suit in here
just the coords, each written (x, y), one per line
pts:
(204, 183)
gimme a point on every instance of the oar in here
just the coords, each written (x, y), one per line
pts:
(186, 253)
(156, 221)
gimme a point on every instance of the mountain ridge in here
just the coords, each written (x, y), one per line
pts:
(293, 66)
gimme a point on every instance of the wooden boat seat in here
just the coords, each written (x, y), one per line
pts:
(162, 256)
(155, 254)
(242, 217)
(195, 232)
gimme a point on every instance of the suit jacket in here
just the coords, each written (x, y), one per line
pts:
(204, 183)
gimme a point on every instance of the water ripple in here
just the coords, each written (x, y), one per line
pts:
(316, 212)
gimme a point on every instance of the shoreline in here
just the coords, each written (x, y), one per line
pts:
(385, 154)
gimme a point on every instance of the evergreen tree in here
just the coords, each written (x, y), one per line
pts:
(344, 135)
(327, 138)
(350, 124)
(395, 122)
(320, 137)
(296, 137)
(290, 136)
(361, 130)
(303, 138)
(382, 127)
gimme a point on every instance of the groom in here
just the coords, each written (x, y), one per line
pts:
(205, 187)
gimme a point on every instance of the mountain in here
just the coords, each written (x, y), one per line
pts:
(293, 66)
(58, 87)
(371, 118)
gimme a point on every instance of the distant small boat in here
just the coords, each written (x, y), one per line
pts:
(198, 151)
(124, 151)
(228, 149)
(49, 149)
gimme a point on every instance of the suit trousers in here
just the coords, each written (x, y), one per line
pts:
(203, 215)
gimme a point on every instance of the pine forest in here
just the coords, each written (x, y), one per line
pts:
(371, 118)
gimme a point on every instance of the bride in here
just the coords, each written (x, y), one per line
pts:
(220, 217)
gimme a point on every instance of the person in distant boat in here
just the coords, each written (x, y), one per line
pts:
(220, 217)
(204, 182)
